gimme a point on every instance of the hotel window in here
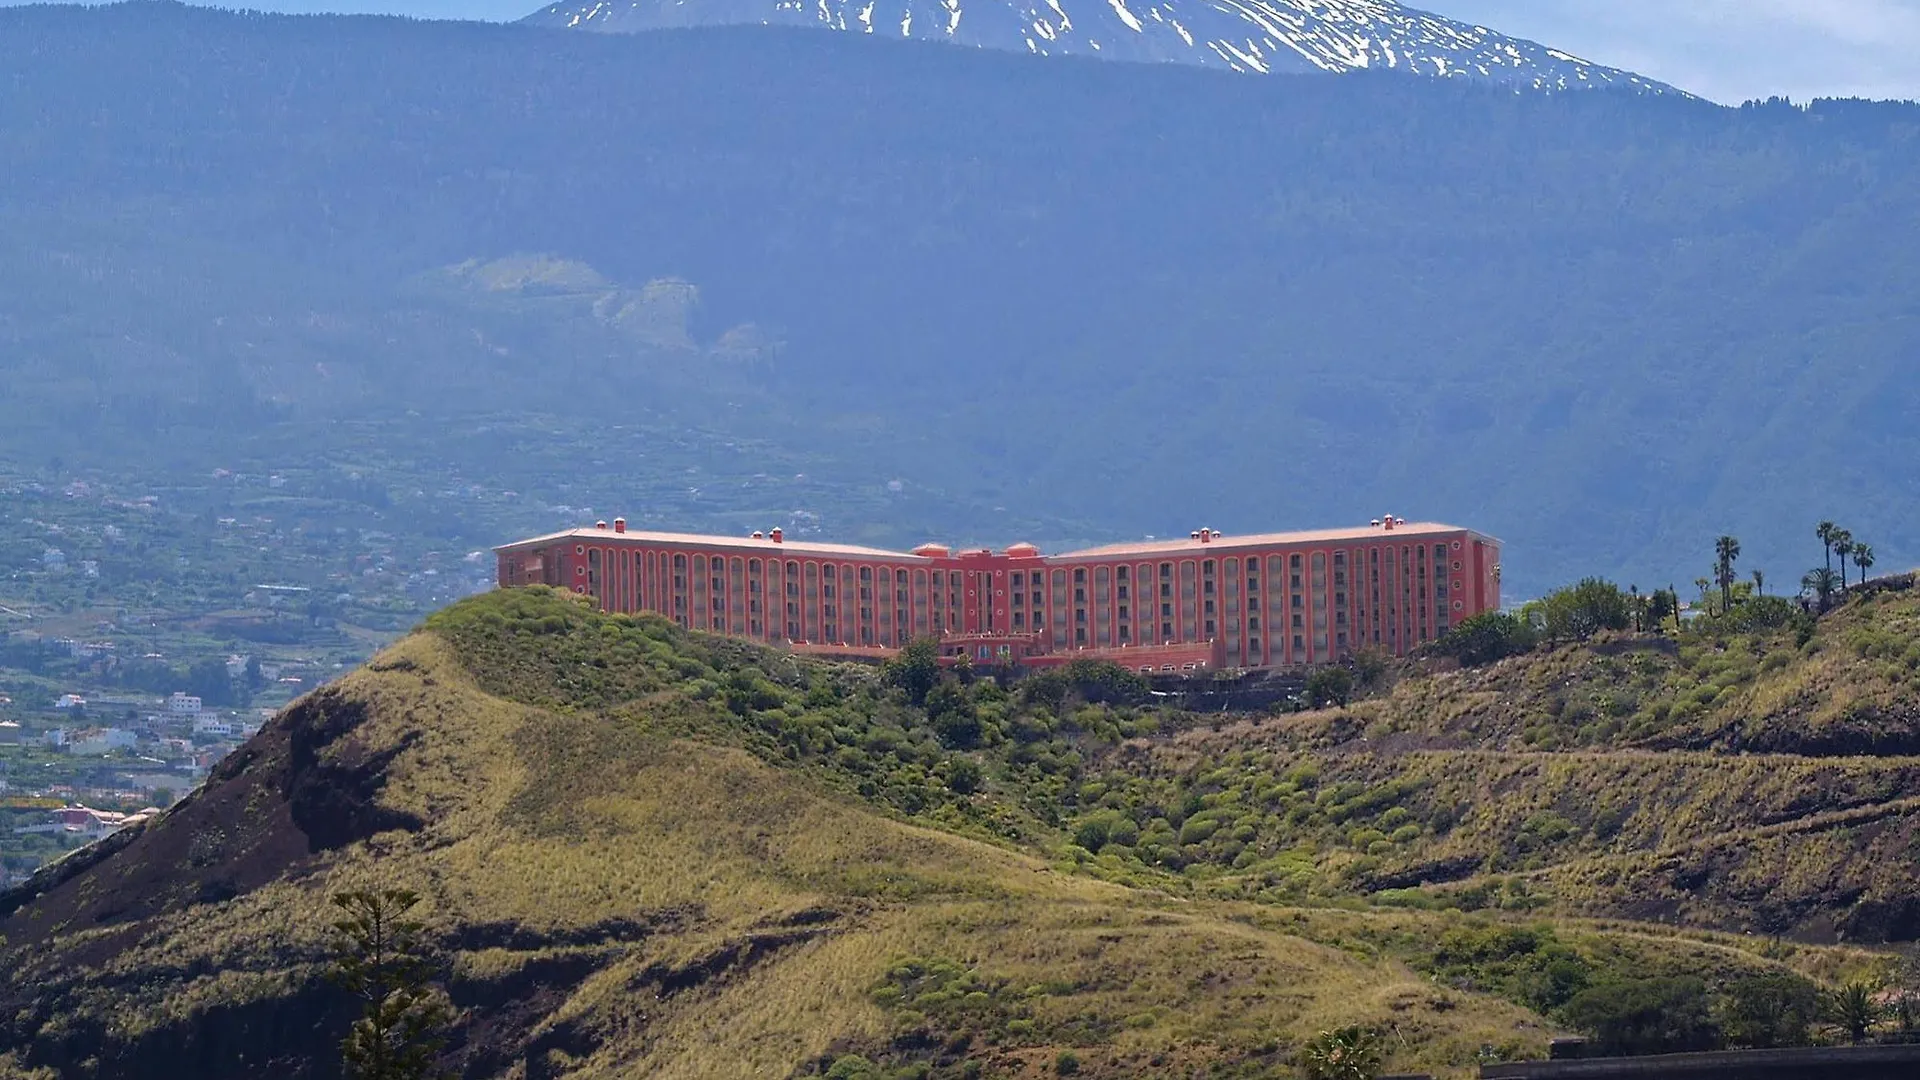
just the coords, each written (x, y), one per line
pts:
(1123, 611)
(1166, 629)
(1209, 630)
(1209, 608)
(1120, 574)
(1125, 635)
(1299, 643)
(1253, 622)
(1080, 636)
(1019, 619)
(1120, 590)
(1036, 598)
(1079, 596)
(1166, 611)
(1019, 579)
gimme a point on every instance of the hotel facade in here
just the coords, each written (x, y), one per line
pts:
(1209, 600)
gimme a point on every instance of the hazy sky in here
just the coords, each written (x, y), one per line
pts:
(1728, 50)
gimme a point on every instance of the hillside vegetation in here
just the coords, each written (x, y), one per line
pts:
(648, 852)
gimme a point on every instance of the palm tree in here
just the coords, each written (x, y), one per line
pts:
(1726, 552)
(1760, 582)
(1825, 531)
(1843, 547)
(1855, 1008)
(1863, 558)
(1634, 605)
(1820, 582)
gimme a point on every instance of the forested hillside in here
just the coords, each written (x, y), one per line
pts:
(1119, 299)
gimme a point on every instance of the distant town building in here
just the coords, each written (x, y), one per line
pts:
(183, 706)
(100, 741)
(85, 823)
(1290, 600)
(70, 701)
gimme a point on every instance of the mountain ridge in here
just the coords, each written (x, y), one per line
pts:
(1248, 36)
(1116, 300)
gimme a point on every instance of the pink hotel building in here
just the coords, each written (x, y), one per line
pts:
(1209, 600)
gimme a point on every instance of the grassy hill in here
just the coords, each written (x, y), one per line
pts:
(652, 853)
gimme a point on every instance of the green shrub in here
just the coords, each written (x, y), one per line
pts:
(1645, 1016)
(1350, 1053)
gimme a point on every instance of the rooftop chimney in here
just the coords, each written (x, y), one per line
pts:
(620, 525)
(599, 524)
(1194, 535)
(758, 535)
(775, 535)
(1206, 536)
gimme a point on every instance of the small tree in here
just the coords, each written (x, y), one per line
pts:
(1330, 686)
(1486, 638)
(1349, 1053)
(1767, 1011)
(1664, 604)
(1843, 547)
(1726, 552)
(1863, 558)
(1821, 584)
(915, 670)
(954, 718)
(1760, 582)
(383, 961)
(1645, 1016)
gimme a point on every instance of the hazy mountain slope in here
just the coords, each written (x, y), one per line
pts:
(1603, 327)
(1264, 36)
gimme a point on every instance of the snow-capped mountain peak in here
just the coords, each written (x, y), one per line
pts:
(1257, 36)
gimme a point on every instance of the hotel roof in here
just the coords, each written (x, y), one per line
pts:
(1219, 541)
(1216, 541)
(599, 535)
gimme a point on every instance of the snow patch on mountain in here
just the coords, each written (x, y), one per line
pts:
(1255, 36)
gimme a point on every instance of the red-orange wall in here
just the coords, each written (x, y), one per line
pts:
(1373, 590)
